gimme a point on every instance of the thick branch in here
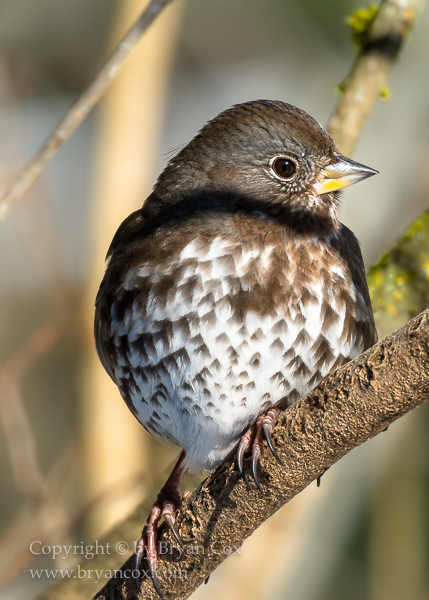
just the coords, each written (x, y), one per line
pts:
(381, 46)
(80, 109)
(348, 408)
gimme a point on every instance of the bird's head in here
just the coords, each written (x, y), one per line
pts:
(263, 155)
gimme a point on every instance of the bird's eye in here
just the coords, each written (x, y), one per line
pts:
(284, 167)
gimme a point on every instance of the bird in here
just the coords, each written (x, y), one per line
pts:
(233, 291)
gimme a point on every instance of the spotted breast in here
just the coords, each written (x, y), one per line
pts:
(205, 335)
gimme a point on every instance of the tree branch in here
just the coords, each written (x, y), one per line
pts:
(80, 109)
(345, 410)
(399, 280)
(380, 44)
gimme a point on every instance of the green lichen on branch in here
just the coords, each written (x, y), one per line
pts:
(361, 22)
(386, 92)
(399, 281)
(340, 88)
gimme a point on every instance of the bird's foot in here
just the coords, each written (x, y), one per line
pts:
(253, 440)
(166, 505)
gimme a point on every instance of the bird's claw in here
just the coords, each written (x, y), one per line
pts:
(170, 522)
(245, 445)
(267, 433)
(155, 581)
(167, 502)
(139, 552)
(256, 454)
(148, 541)
(253, 440)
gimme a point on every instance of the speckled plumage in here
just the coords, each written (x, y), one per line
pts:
(234, 288)
(205, 340)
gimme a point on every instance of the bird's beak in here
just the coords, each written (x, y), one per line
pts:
(341, 174)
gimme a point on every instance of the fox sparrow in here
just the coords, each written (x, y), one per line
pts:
(233, 291)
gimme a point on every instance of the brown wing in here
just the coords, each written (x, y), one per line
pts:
(350, 249)
(103, 341)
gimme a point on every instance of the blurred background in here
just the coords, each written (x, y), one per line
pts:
(73, 460)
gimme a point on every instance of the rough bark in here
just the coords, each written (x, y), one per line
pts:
(345, 410)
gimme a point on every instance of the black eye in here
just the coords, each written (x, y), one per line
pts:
(284, 167)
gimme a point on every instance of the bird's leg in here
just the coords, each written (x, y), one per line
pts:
(253, 440)
(166, 504)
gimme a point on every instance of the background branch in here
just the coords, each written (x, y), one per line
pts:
(399, 280)
(381, 40)
(67, 126)
(13, 415)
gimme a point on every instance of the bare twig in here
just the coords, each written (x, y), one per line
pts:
(346, 409)
(19, 435)
(49, 521)
(380, 48)
(36, 522)
(38, 345)
(17, 427)
(29, 174)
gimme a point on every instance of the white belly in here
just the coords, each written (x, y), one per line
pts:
(206, 380)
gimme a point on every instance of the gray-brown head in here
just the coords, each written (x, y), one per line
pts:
(261, 155)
